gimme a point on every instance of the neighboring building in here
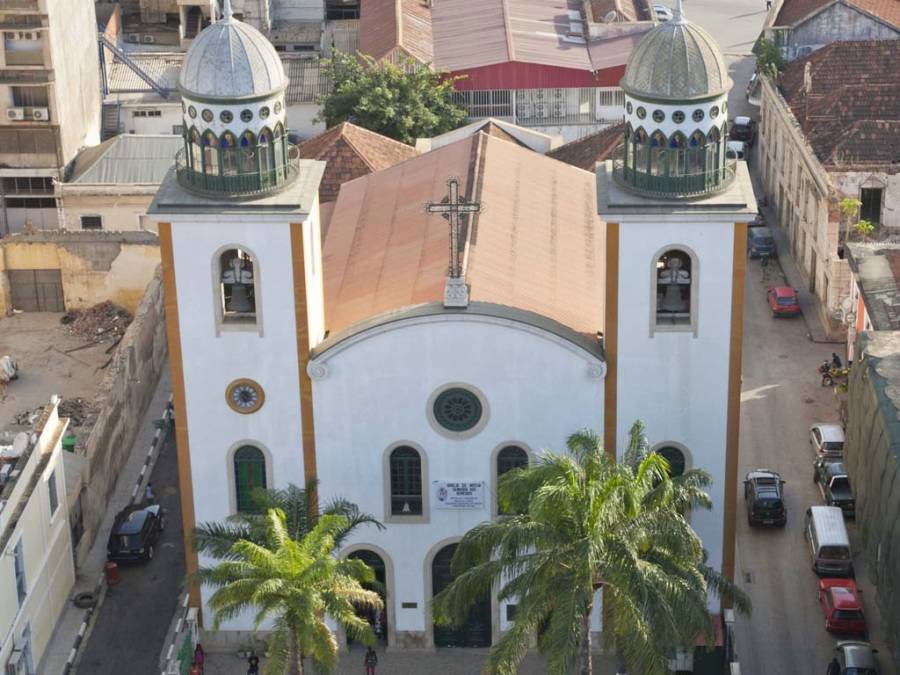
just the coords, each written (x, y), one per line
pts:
(872, 457)
(799, 27)
(37, 571)
(830, 129)
(349, 152)
(588, 151)
(409, 361)
(50, 97)
(396, 31)
(529, 138)
(874, 300)
(112, 184)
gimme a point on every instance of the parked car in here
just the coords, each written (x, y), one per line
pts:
(857, 657)
(662, 13)
(760, 242)
(827, 440)
(829, 545)
(783, 301)
(842, 608)
(742, 129)
(135, 532)
(736, 150)
(752, 84)
(834, 484)
(763, 494)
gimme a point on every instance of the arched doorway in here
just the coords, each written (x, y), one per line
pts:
(378, 621)
(476, 631)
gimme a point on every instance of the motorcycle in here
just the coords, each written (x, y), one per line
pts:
(831, 373)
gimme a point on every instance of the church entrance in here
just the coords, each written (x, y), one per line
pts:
(378, 620)
(476, 631)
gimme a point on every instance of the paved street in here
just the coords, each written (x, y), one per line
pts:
(781, 398)
(128, 634)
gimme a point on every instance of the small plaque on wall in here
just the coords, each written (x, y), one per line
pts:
(458, 494)
(409, 605)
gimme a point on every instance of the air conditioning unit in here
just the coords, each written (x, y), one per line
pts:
(133, 37)
(40, 114)
(15, 113)
(148, 39)
(29, 36)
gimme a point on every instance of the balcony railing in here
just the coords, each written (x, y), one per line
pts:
(685, 185)
(21, 6)
(236, 184)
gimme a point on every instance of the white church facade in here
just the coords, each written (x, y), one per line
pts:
(404, 359)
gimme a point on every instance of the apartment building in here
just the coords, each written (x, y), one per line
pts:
(49, 103)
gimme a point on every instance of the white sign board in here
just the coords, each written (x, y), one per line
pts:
(458, 494)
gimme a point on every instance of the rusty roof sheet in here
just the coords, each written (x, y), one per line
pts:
(388, 25)
(547, 32)
(539, 246)
(794, 11)
(586, 151)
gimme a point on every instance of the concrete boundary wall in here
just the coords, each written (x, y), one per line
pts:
(125, 393)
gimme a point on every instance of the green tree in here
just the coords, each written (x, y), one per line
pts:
(768, 58)
(586, 522)
(217, 539)
(404, 101)
(295, 585)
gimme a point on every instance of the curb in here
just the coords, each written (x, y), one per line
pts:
(180, 625)
(136, 494)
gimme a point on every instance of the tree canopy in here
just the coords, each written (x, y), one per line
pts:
(405, 101)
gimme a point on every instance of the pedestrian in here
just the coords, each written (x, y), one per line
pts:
(836, 361)
(252, 664)
(149, 497)
(370, 661)
(834, 668)
(768, 5)
(199, 654)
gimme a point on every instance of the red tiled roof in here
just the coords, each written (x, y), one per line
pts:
(793, 11)
(389, 25)
(350, 152)
(538, 246)
(850, 113)
(588, 150)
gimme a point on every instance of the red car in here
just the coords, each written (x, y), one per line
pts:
(842, 607)
(783, 301)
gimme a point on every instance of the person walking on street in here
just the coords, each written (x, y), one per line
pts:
(253, 664)
(834, 668)
(199, 654)
(370, 661)
(768, 5)
(149, 497)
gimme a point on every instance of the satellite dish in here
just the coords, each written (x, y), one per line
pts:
(611, 17)
(846, 305)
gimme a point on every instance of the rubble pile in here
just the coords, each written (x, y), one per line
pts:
(102, 322)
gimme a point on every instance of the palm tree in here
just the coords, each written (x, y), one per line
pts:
(216, 539)
(294, 584)
(584, 522)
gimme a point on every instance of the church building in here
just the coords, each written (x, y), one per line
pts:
(447, 318)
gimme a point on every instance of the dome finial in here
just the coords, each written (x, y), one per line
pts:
(679, 12)
(227, 11)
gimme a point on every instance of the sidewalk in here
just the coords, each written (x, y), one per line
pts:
(69, 624)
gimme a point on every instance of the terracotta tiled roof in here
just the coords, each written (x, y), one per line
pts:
(539, 245)
(793, 11)
(350, 152)
(389, 25)
(851, 110)
(588, 150)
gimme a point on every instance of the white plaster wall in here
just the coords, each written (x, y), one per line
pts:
(237, 126)
(211, 362)
(301, 119)
(375, 393)
(315, 291)
(675, 382)
(668, 126)
(169, 118)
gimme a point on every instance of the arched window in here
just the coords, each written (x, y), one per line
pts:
(640, 149)
(229, 153)
(249, 475)
(674, 279)
(406, 482)
(678, 156)
(658, 153)
(237, 286)
(266, 150)
(210, 154)
(247, 155)
(196, 158)
(675, 457)
(509, 458)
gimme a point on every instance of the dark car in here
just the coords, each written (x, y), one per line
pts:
(760, 242)
(834, 484)
(135, 532)
(764, 495)
(742, 129)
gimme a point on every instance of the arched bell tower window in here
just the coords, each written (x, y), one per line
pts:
(237, 286)
(210, 145)
(406, 481)
(674, 296)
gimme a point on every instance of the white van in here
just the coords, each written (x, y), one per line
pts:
(736, 150)
(828, 542)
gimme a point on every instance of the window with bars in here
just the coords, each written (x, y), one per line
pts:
(91, 223)
(30, 203)
(406, 482)
(486, 103)
(249, 475)
(30, 97)
(28, 185)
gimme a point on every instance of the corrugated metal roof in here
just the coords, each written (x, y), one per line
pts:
(126, 159)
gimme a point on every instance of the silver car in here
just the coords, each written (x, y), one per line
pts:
(827, 440)
(857, 658)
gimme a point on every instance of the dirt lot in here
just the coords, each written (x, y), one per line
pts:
(51, 361)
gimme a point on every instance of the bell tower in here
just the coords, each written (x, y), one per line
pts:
(677, 212)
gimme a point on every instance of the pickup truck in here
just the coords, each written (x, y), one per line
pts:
(834, 484)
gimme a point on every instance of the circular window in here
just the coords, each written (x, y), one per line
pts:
(277, 107)
(658, 116)
(457, 409)
(207, 115)
(641, 113)
(264, 112)
(697, 116)
(629, 107)
(678, 117)
(226, 116)
(192, 111)
(246, 115)
(714, 111)
(675, 458)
